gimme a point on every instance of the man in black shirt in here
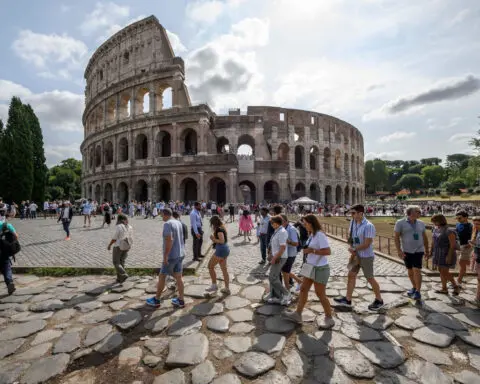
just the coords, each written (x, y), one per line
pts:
(464, 231)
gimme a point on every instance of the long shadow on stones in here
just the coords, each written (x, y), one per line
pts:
(43, 243)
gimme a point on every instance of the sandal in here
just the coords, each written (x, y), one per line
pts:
(441, 291)
(456, 291)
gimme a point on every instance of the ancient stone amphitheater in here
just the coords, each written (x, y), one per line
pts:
(136, 147)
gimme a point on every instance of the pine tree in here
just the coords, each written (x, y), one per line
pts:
(17, 146)
(40, 169)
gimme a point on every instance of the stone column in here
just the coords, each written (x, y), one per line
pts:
(117, 107)
(115, 151)
(151, 146)
(150, 188)
(175, 140)
(131, 147)
(104, 125)
(201, 186)
(283, 184)
(174, 187)
(102, 156)
(260, 184)
(114, 191)
(152, 108)
(133, 104)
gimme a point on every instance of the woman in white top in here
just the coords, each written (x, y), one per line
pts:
(315, 271)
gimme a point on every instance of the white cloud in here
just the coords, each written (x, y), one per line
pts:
(57, 153)
(9, 89)
(103, 17)
(459, 17)
(432, 125)
(204, 11)
(392, 155)
(176, 43)
(399, 135)
(47, 52)
(461, 137)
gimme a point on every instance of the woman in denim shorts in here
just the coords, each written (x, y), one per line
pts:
(222, 250)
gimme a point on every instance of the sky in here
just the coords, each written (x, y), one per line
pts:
(406, 73)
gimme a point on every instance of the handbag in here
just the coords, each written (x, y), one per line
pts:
(307, 271)
(125, 242)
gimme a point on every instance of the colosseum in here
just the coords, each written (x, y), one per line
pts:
(138, 146)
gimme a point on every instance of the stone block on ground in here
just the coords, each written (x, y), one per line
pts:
(17, 331)
(130, 356)
(68, 343)
(187, 350)
(278, 324)
(126, 319)
(253, 364)
(382, 353)
(157, 345)
(218, 323)
(97, 334)
(207, 309)
(203, 373)
(172, 377)
(270, 343)
(238, 344)
(9, 347)
(435, 335)
(354, 363)
(46, 368)
(185, 325)
(110, 343)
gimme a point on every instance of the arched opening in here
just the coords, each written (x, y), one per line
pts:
(326, 161)
(188, 190)
(283, 152)
(248, 191)
(146, 102)
(125, 105)
(111, 110)
(359, 196)
(109, 153)
(141, 147)
(163, 144)
(108, 192)
(328, 195)
(91, 158)
(98, 193)
(163, 190)
(359, 174)
(271, 191)
(122, 192)
(314, 152)
(338, 195)
(98, 156)
(189, 141)
(246, 146)
(299, 155)
(123, 149)
(223, 145)
(100, 118)
(347, 195)
(167, 98)
(299, 190)
(353, 169)
(90, 192)
(299, 134)
(217, 190)
(141, 191)
(345, 164)
(338, 160)
(314, 192)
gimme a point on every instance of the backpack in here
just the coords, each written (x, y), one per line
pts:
(9, 245)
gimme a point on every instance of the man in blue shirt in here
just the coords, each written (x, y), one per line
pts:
(292, 244)
(197, 231)
(173, 255)
(5, 259)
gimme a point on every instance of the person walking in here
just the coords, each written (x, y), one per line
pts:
(412, 245)
(464, 232)
(264, 222)
(444, 254)
(33, 210)
(173, 255)
(475, 243)
(292, 250)
(245, 224)
(87, 208)
(65, 216)
(219, 238)
(231, 212)
(362, 233)
(197, 231)
(8, 236)
(278, 257)
(316, 272)
(121, 241)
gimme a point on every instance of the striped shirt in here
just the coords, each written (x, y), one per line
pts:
(362, 231)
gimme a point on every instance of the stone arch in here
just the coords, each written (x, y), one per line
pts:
(314, 156)
(299, 157)
(163, 97)
(283, 152)
(142, 101)
(123, 149)
(164, 191)
(217, 190)
(189, 142)
(248, 191)
(271, 191)
(353, 168)
(314, 192)
(188, 190)
(109, 153)
(99, 118)
(125, 110)
(338, 195)
(223, 145)
(326, 161)
(248, 141)
(108, 192)
(91, 159)
(122, 192)
(347, 195)
(141, 147)
(345, 164)
(300, 190)
(163, 144)
(338, 159)
(111, 110)
(98, 193)
(328, 195)
(141, 190)
(98, 156)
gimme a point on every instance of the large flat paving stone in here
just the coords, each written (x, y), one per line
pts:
(254, 292)
(424, 372)
(378, 322)
(34, 352)
(203, 373)
(175, 376)
(382, 353)
(46, 368)
(236, 302)
(89, 306)
(438, 306)
(218, 323)
(278, 324)
(17, 331)
(297, 365)
(68, 343)
(197, 291)
(44, 336)
(126, 286)
(157, 325)
(334, 339)
(95, 317)
(472, 338)
(110, 298)
(325, 371)
(30, 291)
(185, 325)
(242, 328)
(97, 334)
(130, 356)
(64, 315)
(240, 315)
(187, 350)
(270, 343)
(270, 310)
(10, 372)
(469, 316)
(311, 346)
(110, 343)
(9, 347)
(238, 344)
(126, 319)
(157, 345)
(16, 299)
(207, 309)
(47, 305)
(253, 364)
(446, 321)
(229, 378)
(247, 280)
(474, 357)
(409, 322)
(435, 335)
(432, 354)
(467, 377)
(354, 363)
(24, 317)
(360, 332)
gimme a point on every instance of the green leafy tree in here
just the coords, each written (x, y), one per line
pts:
(417, 168)
(376, 175)
(410, 181)
(456, 163)
(433, 175)
(64, 180)
(40, 169)
(475, 141)
(431, 161)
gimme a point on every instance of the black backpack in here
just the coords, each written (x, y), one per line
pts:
(9, 245)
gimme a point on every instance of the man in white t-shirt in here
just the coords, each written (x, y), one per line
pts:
(33, 210)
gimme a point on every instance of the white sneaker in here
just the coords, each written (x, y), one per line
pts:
(267, 297)
(286, 300)
(212, 288)
(274, 300)
(298, 287)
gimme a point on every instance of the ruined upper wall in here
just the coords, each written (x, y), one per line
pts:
(136, 49)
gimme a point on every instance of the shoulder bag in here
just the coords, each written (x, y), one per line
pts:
(125, 242)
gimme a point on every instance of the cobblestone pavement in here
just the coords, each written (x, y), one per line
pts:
(87, 330)
(43, 245)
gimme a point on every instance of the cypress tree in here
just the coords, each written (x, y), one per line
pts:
(17, 145)
(40, 169)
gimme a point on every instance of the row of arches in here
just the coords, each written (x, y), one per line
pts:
(128, 104)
